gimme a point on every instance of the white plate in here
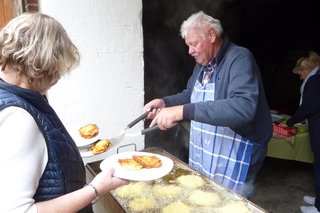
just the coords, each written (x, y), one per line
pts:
(82, 142)
(85, 152)
(139, 175)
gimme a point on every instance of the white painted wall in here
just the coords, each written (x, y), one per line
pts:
(107, 87)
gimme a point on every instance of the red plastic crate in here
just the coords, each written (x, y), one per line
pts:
(285, 131)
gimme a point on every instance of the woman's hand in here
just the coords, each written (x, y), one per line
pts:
(105, 181)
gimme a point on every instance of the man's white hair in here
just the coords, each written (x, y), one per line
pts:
(199, 22)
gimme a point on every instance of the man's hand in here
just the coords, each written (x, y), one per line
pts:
(154, 107)
(168, 117)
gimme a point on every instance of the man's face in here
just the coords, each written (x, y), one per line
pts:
(200, 47)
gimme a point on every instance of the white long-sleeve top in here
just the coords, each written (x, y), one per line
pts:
(23, 158)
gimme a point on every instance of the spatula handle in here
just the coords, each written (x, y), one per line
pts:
(151, 129)
(135, 121)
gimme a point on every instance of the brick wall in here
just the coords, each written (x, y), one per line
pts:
(31, 6)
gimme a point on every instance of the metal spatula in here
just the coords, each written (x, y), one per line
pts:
(118, 139)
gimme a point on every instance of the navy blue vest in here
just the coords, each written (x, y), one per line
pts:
(65, 170)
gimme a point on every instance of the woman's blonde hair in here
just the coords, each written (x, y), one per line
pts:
(309, 62)
(37, 47)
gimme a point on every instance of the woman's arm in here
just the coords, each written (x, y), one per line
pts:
(23, 159)
(310, 101)
(73, 202)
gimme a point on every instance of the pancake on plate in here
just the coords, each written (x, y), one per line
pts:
(130, 164)
(100, 147)
(89, 131)
(148, 161)
(138, 162)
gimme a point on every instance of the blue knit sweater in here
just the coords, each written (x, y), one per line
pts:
(240, 101)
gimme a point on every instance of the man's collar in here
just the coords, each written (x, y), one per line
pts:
(224, 46)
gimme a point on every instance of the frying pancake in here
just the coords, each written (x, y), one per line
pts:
(191, 181)
(133, 190)
(148, 161)
(204, 198)
(175, 207)
(142, 204)
(234, 206)
(167, 191)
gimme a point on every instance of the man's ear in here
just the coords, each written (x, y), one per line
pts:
(212, 35)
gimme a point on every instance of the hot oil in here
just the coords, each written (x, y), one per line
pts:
(174, 174)
(171, 179)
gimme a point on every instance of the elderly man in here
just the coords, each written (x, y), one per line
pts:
(225, 101)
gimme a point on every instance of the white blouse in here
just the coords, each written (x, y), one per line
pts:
(23, 158)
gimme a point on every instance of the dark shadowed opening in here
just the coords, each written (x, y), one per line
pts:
(277, 32)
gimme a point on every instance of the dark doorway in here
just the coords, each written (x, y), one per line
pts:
(277, 32)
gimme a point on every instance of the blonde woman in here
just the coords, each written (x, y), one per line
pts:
(308, 69)
(42, 170)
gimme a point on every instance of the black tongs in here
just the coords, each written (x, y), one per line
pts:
(141, 117)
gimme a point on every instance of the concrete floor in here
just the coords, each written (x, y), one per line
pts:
(281, 185)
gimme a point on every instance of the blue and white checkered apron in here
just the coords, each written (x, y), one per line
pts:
(216, 151)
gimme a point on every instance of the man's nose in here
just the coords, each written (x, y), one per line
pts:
(191, 50)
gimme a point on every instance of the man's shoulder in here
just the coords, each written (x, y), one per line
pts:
(235, 49)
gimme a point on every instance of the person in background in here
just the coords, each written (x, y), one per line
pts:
(42, 170)
(225, 101)
(308, 69)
